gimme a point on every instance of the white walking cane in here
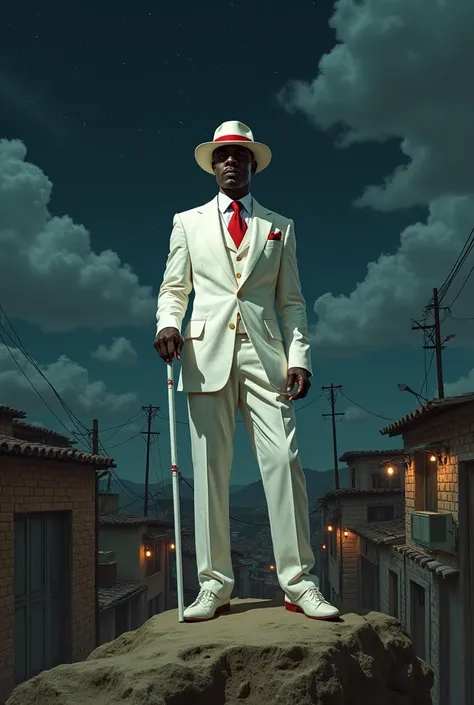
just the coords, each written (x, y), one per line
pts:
(176, 504)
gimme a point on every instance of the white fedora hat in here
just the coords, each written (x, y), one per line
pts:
(233, 132)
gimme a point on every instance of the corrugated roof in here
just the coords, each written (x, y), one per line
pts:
(351, 454)
(352, 492)
(9, 445)
(121, 591)
(123, 520)
(383, 532)
(11, 412)
(429, 562)
(429, 409)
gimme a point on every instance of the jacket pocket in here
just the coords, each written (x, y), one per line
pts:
(194, 329)
(273, 329)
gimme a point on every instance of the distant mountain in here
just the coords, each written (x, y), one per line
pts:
(248, 496)
(317, 484)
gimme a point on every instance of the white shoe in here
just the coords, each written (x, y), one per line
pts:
(312, 604)
(206, 606)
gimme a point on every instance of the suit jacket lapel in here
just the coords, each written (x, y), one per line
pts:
(261, 225)
(210, 228)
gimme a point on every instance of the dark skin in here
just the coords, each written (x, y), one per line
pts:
(233, 166)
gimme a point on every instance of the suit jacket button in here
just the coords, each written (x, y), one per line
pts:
(238, 275)
(239, 294)
(232, 326)
(238, 258)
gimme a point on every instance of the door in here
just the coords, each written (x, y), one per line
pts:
(42, 592)
(418, 619)
(369, 582)
(393, 593)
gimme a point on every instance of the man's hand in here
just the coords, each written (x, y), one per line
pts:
(299, 376)
(169, 344)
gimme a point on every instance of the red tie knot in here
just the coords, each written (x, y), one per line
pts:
(236, 206)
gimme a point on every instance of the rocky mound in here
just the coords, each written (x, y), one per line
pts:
(259, 654)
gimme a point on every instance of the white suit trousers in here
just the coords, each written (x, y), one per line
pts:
(270, 421)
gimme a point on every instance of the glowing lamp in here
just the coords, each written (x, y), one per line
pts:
(329, 527)
(390, 470)
(346, 533)
(172, 546)
(148, 553)
(433, 458)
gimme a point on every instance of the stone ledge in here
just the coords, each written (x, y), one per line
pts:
(257, 654)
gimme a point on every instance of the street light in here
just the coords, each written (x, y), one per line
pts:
(406, 388)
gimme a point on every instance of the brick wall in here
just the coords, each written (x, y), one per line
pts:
(455, 430)
(354, 513)
(27, 485)
(366, 466)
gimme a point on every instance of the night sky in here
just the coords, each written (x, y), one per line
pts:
(368, 111)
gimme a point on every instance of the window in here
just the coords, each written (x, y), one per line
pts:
(393, 593)
(154, 562)
(353, 478)
(426, 483)
(332, 540)
(418, 619)
(380, 480)
(384, 512)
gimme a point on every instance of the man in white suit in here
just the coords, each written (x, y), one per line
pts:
(240, 259)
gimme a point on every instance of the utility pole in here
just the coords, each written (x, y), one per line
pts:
(438, 346)
(150, 412)
(434, 334)
(332, 398)
(95, 437)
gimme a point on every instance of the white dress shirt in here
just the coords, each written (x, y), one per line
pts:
(226, 209)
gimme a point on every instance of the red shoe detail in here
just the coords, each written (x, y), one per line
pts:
(294, 608)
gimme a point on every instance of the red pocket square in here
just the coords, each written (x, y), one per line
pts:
(275, 235)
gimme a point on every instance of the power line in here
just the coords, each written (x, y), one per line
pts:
(372, 413)
(300, 408)
(18, 342)
(463, 255)
(122, 443)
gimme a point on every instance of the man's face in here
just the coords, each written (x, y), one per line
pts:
(233, 166)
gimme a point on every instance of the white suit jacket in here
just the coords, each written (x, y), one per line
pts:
(199, 259)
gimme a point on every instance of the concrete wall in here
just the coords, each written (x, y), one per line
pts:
(354, 513)
(366, 466)
(126, 541)
(27, 485)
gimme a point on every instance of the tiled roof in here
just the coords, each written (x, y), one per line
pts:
(441, 569)
(382, 532)
(9, 445)
(352, 492)
(429, 409)
(121, 591)
(12, 413)
(123, 520)
(158, 535)
(352, 454)
(33, 429)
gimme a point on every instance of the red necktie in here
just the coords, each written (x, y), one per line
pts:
(237, 226)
